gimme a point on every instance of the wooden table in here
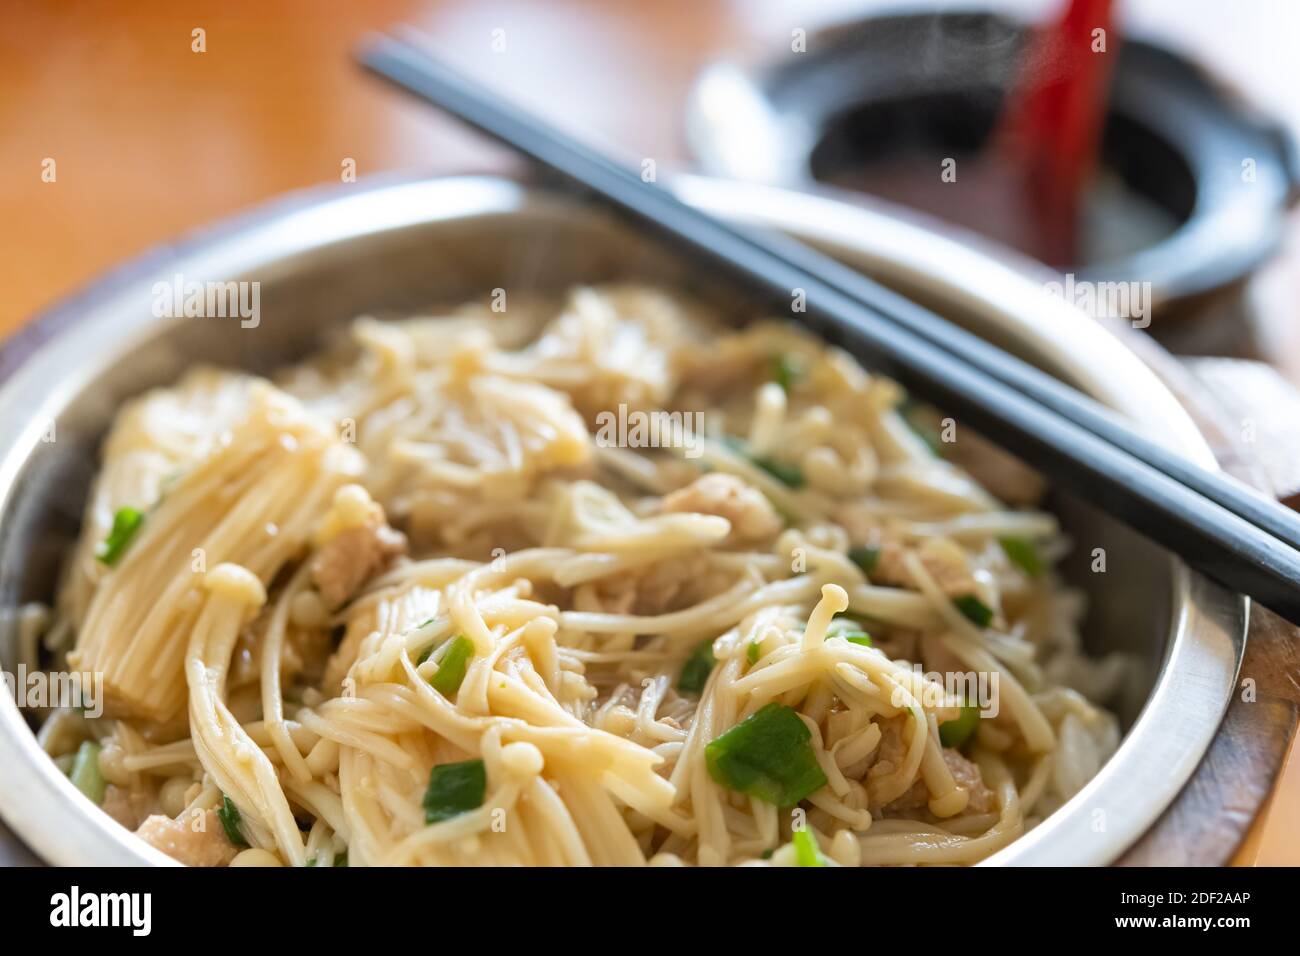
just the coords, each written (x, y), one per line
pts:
(119, 133)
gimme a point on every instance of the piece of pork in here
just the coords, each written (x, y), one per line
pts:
(127, 806)
(751, 515)
(967, 775)
(194, 841)
(353, 542)
(891, 754)
(943, 559)
(917, 797)
(351, 558)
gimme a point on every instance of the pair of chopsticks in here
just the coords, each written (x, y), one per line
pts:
(1217, 525)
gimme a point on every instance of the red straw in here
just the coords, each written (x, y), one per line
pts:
(1051, 128)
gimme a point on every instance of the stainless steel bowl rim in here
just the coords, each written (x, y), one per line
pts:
(60, 351)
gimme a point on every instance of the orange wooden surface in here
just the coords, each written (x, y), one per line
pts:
(150, 138)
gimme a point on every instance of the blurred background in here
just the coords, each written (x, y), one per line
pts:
(1165, 158)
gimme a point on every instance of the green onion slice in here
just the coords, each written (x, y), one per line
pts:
(806, 851)
(786, 370)
(696, 670)
(976, 611)
(789, 475)
(915, 415)
(229, 816)
(1023, 553)
(451, 669)
(954, 733)
(767, 755)
(339, 859)
(849, 628)
(454, 788)
(126, 522)
(86, 775)
(865, 558)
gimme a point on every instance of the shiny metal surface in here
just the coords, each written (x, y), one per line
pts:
(323, 258)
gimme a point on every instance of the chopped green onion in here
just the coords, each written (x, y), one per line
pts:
(229, 816)
(1023, 553)
(767, 755)
(86, 775)
(451, 669)
(126, 522)
(786, 371)
(789, 475)
(954, 733)
(850, 629)
(806, 851)
(912, 413)
(428, 651)
(976, 611)
(454, 788)
(339, 859)
(865, 558)
(752, 652)
(696, 670)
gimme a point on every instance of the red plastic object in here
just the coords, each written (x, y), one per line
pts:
(1051, 128)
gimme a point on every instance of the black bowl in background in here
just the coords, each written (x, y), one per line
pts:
(875, 99)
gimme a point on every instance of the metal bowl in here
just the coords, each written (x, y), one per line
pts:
(324, 257)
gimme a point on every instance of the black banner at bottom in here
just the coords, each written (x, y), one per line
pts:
(342, 905)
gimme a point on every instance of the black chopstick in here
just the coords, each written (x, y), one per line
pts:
(1210, 535)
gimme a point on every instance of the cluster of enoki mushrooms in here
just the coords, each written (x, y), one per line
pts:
(401, 606)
